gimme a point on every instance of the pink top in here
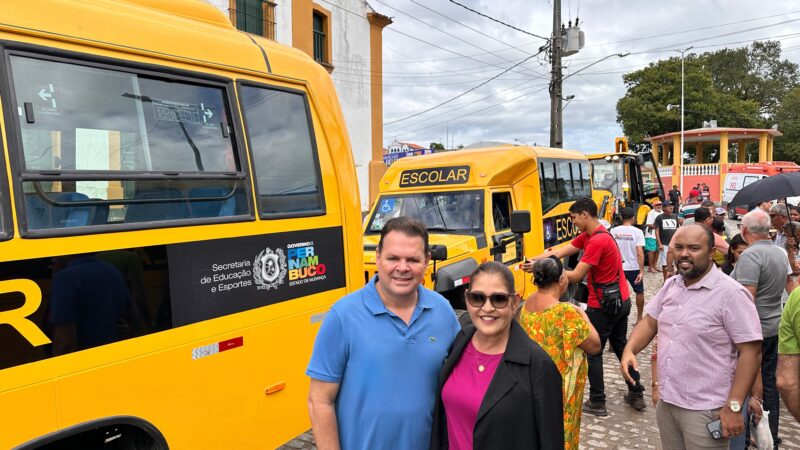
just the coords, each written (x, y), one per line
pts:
(698, 329)
(463, 394)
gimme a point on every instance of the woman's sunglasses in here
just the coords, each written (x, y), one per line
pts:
(498, 300)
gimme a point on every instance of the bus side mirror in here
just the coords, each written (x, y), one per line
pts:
(438, 252)
(520, 221)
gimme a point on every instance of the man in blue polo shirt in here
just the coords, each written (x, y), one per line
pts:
(377, 356)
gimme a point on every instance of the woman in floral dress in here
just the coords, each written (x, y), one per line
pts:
(563, 330)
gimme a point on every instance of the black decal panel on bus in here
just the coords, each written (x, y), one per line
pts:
(67, 303)
(230, 275)
(558, 229)
(434, 176)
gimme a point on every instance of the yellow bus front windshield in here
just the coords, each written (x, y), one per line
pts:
(454, 212)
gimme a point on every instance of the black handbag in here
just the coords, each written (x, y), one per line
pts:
(610, 297)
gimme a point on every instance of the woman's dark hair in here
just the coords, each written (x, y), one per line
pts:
(718, 224)
(496, 268)
(735, 242)
(547, 271)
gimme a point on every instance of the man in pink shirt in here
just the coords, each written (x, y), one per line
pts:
(709, 347)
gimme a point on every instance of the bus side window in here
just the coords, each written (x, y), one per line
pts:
(565, 180)
(283, 149)
(108, 146)
(549, 189)
(501, 210)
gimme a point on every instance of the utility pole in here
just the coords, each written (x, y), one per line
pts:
(556, 119)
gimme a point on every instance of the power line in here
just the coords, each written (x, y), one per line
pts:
(454, 83)
(441, 31)
(739, 32)
(498, 21)
(475, 74)
(626, 69)
(438, 46)
(461, 94)
(461, 105)
(469, 27)
(483, 110)
(695, 29)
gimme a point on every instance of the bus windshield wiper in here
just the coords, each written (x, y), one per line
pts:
(445, 229)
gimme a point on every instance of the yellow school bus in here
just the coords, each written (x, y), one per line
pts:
(624, 178)
(178, 210)
(467, 199)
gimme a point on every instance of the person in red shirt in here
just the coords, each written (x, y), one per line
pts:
(601, 264)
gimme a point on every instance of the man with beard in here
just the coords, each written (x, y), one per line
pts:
(709, 347)
(601, 263)
(762, 270)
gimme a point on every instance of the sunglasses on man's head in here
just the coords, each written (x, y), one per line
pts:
(477, 299)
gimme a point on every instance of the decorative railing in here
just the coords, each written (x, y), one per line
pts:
(701, 169)
(319, 46)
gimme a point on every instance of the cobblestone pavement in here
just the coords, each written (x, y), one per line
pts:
(624, 428)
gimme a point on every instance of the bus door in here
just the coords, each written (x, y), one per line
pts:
(504, 248)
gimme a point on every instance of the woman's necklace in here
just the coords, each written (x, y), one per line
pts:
(481, 362)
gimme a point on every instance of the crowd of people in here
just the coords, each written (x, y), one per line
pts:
(392, 368)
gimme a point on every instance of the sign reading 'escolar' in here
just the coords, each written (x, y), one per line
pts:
(434, 176)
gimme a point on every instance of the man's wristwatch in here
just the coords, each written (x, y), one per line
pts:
(734, 406)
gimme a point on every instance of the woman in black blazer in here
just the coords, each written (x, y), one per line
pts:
(497, 388)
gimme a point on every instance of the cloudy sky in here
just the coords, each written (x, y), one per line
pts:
(435, 50)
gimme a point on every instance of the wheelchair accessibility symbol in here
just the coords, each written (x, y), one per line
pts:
(387, 206)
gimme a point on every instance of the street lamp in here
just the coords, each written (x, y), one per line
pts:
(568, 98)
(682, 76)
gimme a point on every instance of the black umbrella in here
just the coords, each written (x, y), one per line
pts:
(777, 186)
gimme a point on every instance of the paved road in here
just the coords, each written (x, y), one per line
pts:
(624, 428)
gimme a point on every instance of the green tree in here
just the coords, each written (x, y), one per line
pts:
(742, 87)
(755, 73)
(436, 146)
(787, 116)
(643, 110)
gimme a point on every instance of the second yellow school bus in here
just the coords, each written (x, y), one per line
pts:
(466, 199)
(178, 210)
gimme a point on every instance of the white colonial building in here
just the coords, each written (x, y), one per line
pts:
(344, 36)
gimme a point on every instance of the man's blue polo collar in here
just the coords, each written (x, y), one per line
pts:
(375, 305)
